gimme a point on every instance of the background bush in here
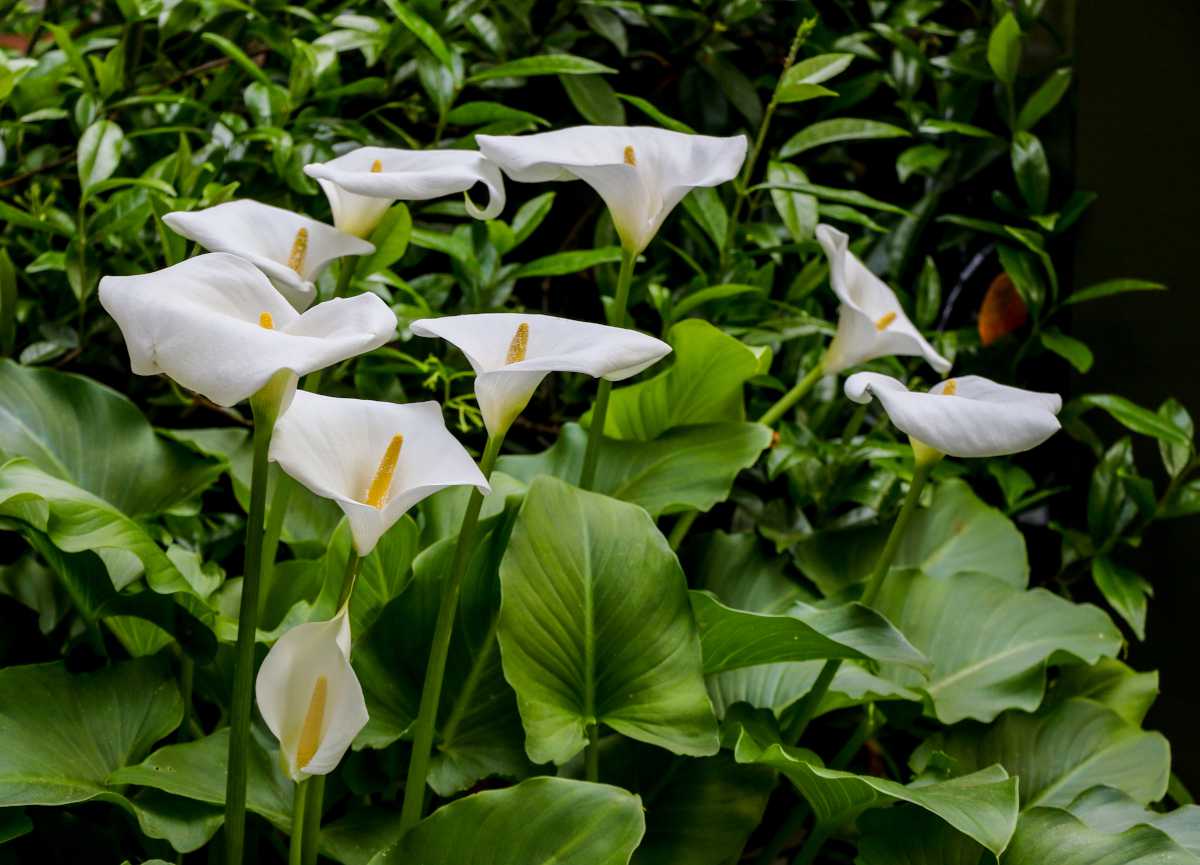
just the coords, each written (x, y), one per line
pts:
(930, 138)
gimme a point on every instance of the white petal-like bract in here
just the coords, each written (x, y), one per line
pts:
(268, 237)
(306, 681)
(871, 322)
(216, 325)
(362, 184)
(963, 417)
(549, 344)
(641, 172)
(335, 446)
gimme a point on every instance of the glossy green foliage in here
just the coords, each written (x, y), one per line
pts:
(671, 623)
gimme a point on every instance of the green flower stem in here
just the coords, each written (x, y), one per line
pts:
(680, 529)
(431, 692)
(271, 532)
(793, 396)
(347, 264)
(591, 754)
(265, 406)
(921, 470)
(312, 820)
(808, 852)
(588, 476)
(743, 183)
(299, 815)
(349, 578)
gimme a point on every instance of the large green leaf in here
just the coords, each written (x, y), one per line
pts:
(1128, 693)
(778, 687)
(989, 641)
(1108, 810)
(196, 770)
(83, 432)
(1060, 753)
(64, 734)
(479, 731)
(739, 572)
(703, 385)
(542, 821)
(1051, 835)
(688, 468)
(698, 811)
(957, 533)
(75, 520)
(595, 627)
(731, 638)
(982, 805)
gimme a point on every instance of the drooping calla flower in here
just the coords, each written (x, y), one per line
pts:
(290, 248)
(216, 325)
(871, 322)
(362, 184)
(310, 697)
(512, 352)
(963, 417)
(374, 459)
(640, 172)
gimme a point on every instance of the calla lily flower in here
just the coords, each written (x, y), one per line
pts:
(362, 184)
(511, 353)
(374, 459)
(640, 172)
(290, 248)
(871, 322)
(216, 325)
(310, 697)
(963, 417)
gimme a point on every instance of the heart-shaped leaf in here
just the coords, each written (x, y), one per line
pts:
(595, 627)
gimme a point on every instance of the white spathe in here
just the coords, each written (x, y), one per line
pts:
(551, 345)
(267, 237)
(963, 417)
(290, 696)
(871, 322)
(641, 172)
(202, 322)
(362, 184)
(335, 446)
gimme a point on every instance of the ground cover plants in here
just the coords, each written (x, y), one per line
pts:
(512, 432)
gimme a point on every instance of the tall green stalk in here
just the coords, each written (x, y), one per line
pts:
(812, 700)
(793, 396)
(265, 407)
(431, 691)
(743, 183)
(588, 476)
(299, 815)
(312, 820)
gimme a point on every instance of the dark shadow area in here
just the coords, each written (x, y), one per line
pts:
(1137, 145)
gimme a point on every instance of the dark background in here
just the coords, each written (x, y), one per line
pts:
(1137, 144)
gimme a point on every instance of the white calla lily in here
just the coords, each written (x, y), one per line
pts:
(641, 172)
(310, 697)
(362, 184)
(290, 248)
(963, 417)
(871, 322)
(216, 325)
(511, 353)
(374, 459)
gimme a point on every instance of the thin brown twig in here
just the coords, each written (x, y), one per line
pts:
(25, 175)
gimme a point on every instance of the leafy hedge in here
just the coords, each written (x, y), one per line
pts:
(980, 711)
